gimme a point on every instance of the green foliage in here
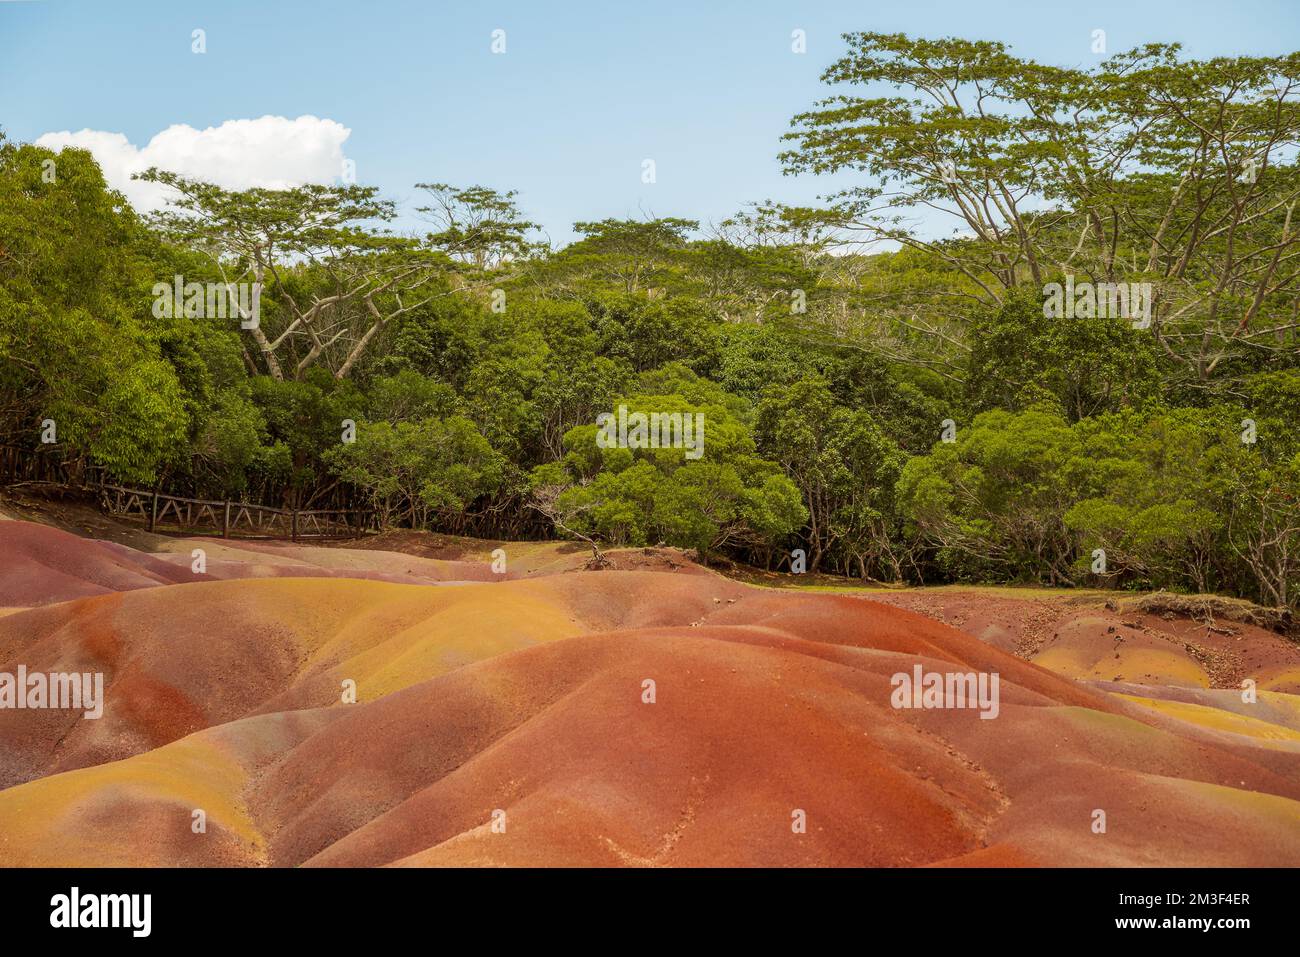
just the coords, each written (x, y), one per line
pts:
(477, 364)
(1087, 366)
(476, 224)
(1159, 484)
(1113, 173)
(416, 470)
(76, 345)
(992, 503)
(440, 339)
(409, 395)
(627, 255)
(648, 334)
(845, 468)
(752, 358)
(304, 420)
(1173, 498)
(727, 497)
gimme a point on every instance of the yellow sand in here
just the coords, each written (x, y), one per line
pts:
(1136, 665)
(51, 821)
(1217, 719)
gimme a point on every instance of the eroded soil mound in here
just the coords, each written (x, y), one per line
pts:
(408, 705)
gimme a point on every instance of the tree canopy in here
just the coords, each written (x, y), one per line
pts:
(893, 399)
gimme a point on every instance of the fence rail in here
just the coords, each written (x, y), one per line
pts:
(233, 519)
(158, 510)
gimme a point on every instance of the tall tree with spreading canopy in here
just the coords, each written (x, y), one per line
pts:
(339, 283)
(1147, 168)
(476, 224)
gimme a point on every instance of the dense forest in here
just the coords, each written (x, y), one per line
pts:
(894, 400)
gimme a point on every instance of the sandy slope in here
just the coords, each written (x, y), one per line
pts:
(1101, 637)
(526, 696)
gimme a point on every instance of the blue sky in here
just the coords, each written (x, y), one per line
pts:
(584, 93)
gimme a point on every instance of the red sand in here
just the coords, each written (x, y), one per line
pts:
(43, 565)
(526, 697)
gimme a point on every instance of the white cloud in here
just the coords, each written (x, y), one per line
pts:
(272, 152)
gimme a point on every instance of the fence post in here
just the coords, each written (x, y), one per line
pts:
(293, 527)
(225, 522)
(153, 511)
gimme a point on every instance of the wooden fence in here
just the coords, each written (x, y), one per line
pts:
(233, 519)
(159, 510)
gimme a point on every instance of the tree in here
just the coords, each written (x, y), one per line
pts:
(415, 470)
(627, 254)
(408, 396)
(1087, 365)
(845, 467)
(728, 497)
(339, 284)
(993, 502)
(476, 225)
(648, 334)
(1264, 524)
(304, 419)
(1157, 493)
(1148, 168)
(75, 345)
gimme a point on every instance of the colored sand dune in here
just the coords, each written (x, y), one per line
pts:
(652, 715)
